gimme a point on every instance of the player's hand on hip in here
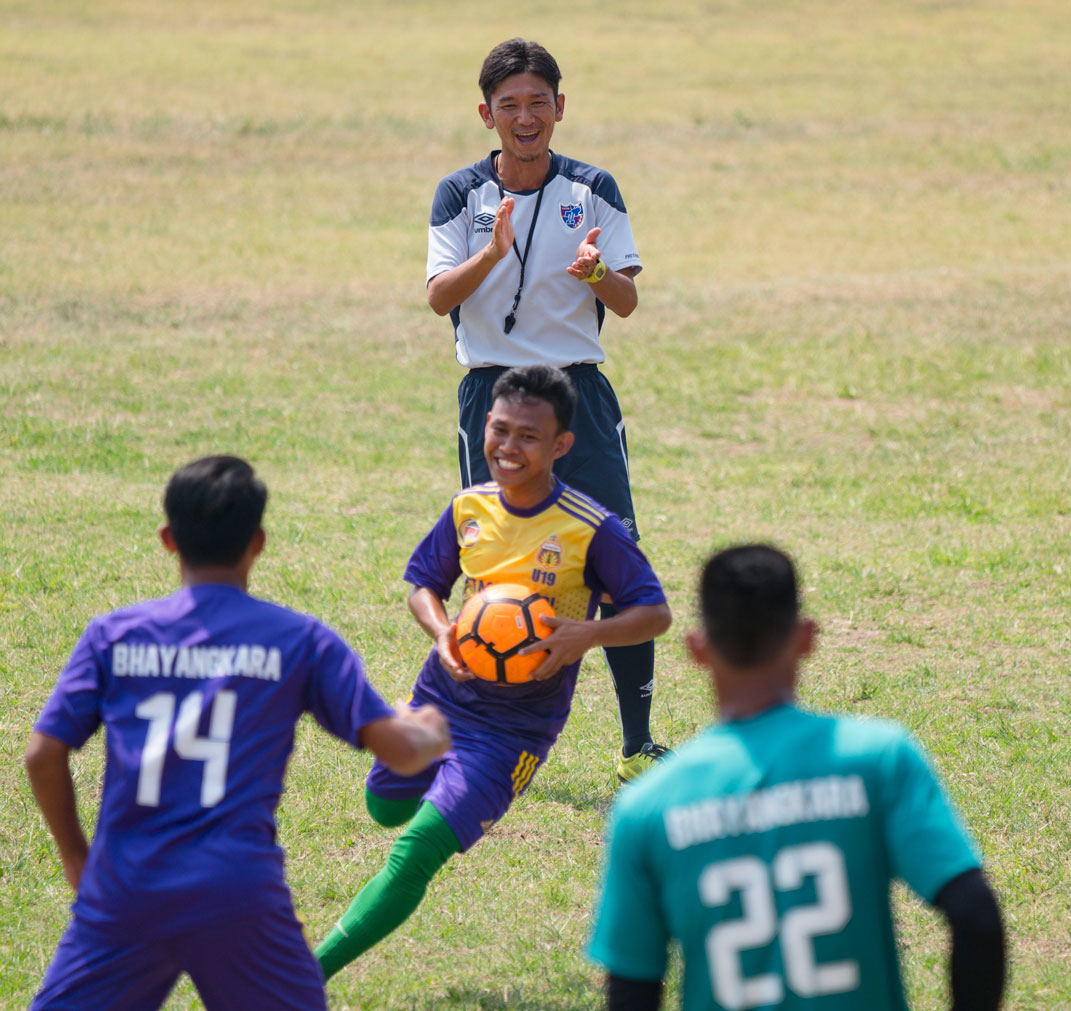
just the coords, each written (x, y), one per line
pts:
(587, 256)
(569, 641)
(502, 232)
(450, 655)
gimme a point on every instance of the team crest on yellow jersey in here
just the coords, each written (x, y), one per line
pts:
(469, 532)
(549, 554)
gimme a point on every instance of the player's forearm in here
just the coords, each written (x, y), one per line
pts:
(426, 736)
(49, 773)
(617, 291)
(633, 625)
(978, 957)
(429, 610)
(409, 742)
(446, 291)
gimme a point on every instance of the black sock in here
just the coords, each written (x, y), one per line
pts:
(632, 670)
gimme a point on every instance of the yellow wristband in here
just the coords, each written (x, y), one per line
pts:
(597, 274)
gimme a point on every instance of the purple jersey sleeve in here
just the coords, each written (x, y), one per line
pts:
(436, 561)
(73, 711)
(615, 565)
(338, 694)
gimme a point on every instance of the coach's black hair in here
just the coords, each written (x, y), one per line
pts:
(543, 382)
(214, 507)
(517, 56)
(749, 600)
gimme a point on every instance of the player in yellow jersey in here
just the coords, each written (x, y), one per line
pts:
(524, 526)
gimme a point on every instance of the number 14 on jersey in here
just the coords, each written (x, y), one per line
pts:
(213, 750)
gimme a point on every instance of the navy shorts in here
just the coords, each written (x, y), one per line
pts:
(597, 465)
(472, 785)
(261, 961)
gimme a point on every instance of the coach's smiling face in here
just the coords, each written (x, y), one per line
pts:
(521, 442)
(523, 110)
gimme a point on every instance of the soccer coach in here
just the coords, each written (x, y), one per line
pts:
(526, 251)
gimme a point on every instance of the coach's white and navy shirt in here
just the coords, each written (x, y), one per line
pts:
(559, 318)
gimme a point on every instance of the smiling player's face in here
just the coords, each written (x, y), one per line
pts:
(524, 110)
(521, 442)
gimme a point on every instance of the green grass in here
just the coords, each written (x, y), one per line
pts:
(852, 339)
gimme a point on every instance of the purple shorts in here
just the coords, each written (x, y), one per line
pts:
(259, 962)
(472, 785)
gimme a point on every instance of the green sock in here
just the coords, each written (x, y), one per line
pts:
(387, 899)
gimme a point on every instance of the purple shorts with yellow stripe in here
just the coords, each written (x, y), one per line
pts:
(473, 784)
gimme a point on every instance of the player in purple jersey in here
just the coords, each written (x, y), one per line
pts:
(199, 693)
(523, 526)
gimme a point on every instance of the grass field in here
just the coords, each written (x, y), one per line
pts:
(852, 338)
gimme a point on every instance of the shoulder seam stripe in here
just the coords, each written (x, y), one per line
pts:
(592, 522)
(581, 511)
(581, 503)
(587, 500)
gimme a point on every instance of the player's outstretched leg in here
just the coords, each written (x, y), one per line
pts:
(388, 899)
(632, 670)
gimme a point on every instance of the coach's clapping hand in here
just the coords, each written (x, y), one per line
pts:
(587, 256)
(502, 233)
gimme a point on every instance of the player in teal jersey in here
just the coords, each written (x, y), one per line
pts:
(767, 846)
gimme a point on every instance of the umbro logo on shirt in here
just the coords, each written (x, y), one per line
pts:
(483, 222)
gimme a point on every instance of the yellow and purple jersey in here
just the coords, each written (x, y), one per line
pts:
(567, 548)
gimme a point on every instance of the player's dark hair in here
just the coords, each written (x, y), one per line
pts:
(749, 600)
(517, 56)
(214, 507)
(540, 382)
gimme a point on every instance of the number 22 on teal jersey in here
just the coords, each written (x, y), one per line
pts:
(758, 925)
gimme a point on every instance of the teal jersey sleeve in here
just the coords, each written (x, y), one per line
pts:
(631, 936)
(927, 843)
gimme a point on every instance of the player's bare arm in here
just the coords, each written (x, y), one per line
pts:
(430, 612)
(617, 289)
(571, 639)
(446, 291)
(408, 742)
(50, 778)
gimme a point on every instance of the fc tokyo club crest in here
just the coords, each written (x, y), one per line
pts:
(549, 554)
(469, 532)
(572, 215)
